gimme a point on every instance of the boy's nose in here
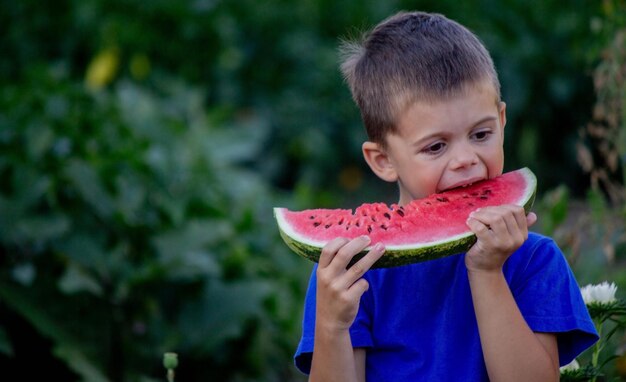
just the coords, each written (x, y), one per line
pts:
(464, 157)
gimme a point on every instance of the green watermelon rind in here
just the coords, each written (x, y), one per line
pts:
(410, 253)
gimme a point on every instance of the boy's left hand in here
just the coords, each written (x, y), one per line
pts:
(500, 231)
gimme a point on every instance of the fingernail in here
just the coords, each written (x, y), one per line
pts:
(379, 247)
(366, 238)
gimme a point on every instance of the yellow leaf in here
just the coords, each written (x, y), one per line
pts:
(103, 68)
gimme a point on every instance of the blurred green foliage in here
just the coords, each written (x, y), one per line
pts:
(143, 144)
(128, 228)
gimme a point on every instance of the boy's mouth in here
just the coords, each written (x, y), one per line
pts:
(463, 183)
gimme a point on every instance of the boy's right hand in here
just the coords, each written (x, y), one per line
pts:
(339, 290)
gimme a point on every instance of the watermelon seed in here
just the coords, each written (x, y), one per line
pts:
(340, 221)
(358, 224)
(428, 203)
(442, 199)
(400, 212)
(483, 197)
(369, 228)
(383, 227)
(316, 224)
(312, 217)
(387, 215)
(374, 218)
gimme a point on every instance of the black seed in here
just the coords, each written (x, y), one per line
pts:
(340, 221)
(428, 203)
(483, 197)
(312, 217)
(358, 224)
(387, 215)
(369, 229)
(374, 218)
(383, 227)
(400, 212)
(442, 199)
(327, 226)
(316, 224)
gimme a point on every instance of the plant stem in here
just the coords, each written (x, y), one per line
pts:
(595, 356)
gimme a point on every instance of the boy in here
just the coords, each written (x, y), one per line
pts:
(507, 310)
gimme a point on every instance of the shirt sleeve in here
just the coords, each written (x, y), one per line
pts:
(304, 352)
(359, 331)
(549, 297)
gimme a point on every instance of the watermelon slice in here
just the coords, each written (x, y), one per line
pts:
(424, 229)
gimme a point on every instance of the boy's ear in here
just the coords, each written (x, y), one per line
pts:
(502, 112)
(379, 162)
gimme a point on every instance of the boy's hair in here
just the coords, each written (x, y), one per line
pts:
(412, 57)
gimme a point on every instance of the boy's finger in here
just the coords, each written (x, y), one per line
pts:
(329, 251)
(493, 220)
(345, 254)
(477, 227)
(357, 289)
(358, 269)
(531, 219)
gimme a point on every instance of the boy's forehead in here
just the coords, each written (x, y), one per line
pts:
(406, 99)
(475, 102)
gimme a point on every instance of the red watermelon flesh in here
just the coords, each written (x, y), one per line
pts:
(437, 219)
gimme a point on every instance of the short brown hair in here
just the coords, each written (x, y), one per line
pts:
(412, 57)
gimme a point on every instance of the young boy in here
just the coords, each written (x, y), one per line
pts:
(507, 310)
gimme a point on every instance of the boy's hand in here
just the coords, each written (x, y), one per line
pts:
(500, 231)
(339, 289)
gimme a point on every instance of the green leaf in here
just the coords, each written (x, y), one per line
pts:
(66, 347)
(87, 182)
(24, 273)
(86, 251)
(41, 228)
(76, 280)
(5, 345)
(184, 252)
(77, 361)
(223, 312)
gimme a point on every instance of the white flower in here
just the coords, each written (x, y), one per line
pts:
(601, 293)
(571, 366)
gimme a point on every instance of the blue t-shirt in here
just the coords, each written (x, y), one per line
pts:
(417, 321)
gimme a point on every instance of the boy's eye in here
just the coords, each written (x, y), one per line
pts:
(482, 135)
(435, 148)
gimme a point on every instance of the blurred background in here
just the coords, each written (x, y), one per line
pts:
(143, 145)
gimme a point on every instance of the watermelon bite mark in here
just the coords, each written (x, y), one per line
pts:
(422, 230)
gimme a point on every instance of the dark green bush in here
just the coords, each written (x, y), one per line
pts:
(128, 228)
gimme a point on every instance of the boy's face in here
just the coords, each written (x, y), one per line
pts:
(443, 145)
